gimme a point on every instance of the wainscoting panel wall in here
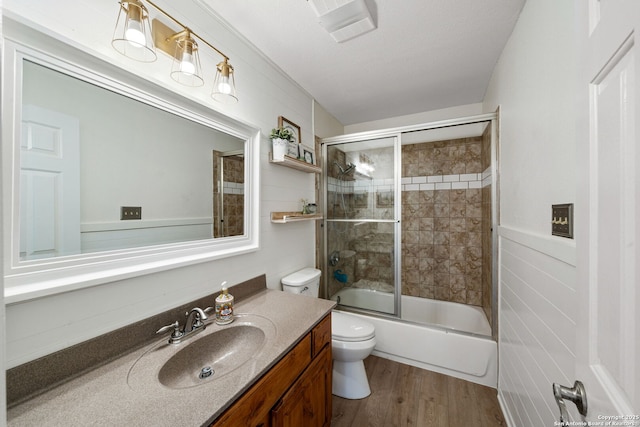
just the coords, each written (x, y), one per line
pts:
(537, 322)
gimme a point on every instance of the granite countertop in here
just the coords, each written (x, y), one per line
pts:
(104, 396)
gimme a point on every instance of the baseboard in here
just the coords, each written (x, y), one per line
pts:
(505, 411)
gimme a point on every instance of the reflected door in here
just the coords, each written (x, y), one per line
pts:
(49, 184)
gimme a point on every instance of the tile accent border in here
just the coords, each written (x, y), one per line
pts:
(447, 182)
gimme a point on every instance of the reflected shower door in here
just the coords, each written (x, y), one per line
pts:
(228, 194)
(362, 214)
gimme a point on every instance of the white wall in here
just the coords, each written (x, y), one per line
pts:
(413, 119)
(153, 171)
(38, 327)
(533, 85)
(324, 123)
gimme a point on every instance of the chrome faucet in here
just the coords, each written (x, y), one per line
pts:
(195, 320)
(194, 323)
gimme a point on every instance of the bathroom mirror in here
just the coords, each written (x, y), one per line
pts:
(113, 175)
(102, 171)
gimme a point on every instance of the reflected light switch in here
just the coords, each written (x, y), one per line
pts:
(130, 212)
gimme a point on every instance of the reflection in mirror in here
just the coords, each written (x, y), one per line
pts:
(228, 188)
(101, 171)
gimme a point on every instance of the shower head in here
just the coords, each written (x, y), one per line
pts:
(346, 169)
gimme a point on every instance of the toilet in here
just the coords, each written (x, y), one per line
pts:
(352, 339)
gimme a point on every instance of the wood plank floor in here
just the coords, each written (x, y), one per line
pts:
(403, 395)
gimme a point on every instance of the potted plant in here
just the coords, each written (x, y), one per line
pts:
(280, 138)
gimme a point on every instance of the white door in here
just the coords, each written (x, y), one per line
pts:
(49, 184)
(608, 210)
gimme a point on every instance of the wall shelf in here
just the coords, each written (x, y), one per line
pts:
(294, 163)
(285, 217)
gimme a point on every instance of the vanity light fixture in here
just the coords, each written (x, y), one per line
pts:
(186, 67)
(132, 35)
(181, 45)
(224, 84)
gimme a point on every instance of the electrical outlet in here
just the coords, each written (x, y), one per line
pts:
(562, 220)
(130, 212)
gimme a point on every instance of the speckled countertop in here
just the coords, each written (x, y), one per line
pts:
(105, 397)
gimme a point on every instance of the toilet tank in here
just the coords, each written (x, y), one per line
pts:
(304, 282)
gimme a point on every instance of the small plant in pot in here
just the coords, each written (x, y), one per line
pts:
(280, 138)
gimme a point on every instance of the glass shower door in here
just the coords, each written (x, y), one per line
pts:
(361, 226)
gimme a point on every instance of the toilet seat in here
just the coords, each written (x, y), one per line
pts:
(350, 328)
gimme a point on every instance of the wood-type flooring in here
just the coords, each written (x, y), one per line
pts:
(403, 395)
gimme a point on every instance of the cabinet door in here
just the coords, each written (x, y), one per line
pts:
(321, 335)
(308, 401)
(253, 408)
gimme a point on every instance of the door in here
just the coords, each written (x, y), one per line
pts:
(608, 210)
(362, 223)
(50, 184)
(308, 401)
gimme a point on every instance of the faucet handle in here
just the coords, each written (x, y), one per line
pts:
(176, 330)
(209, 310)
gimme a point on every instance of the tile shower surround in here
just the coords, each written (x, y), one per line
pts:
(444, 213)
(442, 253)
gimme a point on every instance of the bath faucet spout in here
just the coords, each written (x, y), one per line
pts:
(195, 320)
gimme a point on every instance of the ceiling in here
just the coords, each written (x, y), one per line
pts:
(424, 54)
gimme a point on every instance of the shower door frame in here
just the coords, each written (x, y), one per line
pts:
(397, 171)
(396, 132)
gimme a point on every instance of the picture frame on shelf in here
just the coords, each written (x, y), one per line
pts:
(307, 155)
(285, 123)
(293, 149)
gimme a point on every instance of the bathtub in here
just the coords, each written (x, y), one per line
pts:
(366, 299)
(440, 346)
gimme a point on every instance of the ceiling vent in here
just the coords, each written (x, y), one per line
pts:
(343, 19)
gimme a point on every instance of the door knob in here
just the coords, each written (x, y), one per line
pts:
(577, 395)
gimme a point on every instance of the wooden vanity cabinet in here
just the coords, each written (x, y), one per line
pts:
(295, 392)
(308, 401)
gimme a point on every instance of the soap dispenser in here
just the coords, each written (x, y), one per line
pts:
(224, 306)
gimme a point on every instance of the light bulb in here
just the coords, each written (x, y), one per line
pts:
(223, 86)
(134, 34)
(186, 65)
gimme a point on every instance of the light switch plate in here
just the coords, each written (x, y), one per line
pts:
(562, 220)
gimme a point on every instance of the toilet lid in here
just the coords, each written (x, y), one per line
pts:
(350, 328)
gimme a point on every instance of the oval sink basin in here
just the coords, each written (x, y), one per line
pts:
(221, 351)
(203, 358)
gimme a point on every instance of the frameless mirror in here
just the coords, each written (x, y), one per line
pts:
(111, 175)
(102, 171)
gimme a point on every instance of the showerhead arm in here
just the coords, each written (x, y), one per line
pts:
(349, 167)
(345, 170)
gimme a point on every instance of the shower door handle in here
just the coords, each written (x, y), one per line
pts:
(577, 395)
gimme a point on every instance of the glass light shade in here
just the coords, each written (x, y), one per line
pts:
(186, 67)
(132, 35)
(224, 84)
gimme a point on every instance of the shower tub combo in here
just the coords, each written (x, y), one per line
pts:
(436, 335)
(409, 212)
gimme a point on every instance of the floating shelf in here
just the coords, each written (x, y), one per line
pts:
(284, 217)
(294, 163)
